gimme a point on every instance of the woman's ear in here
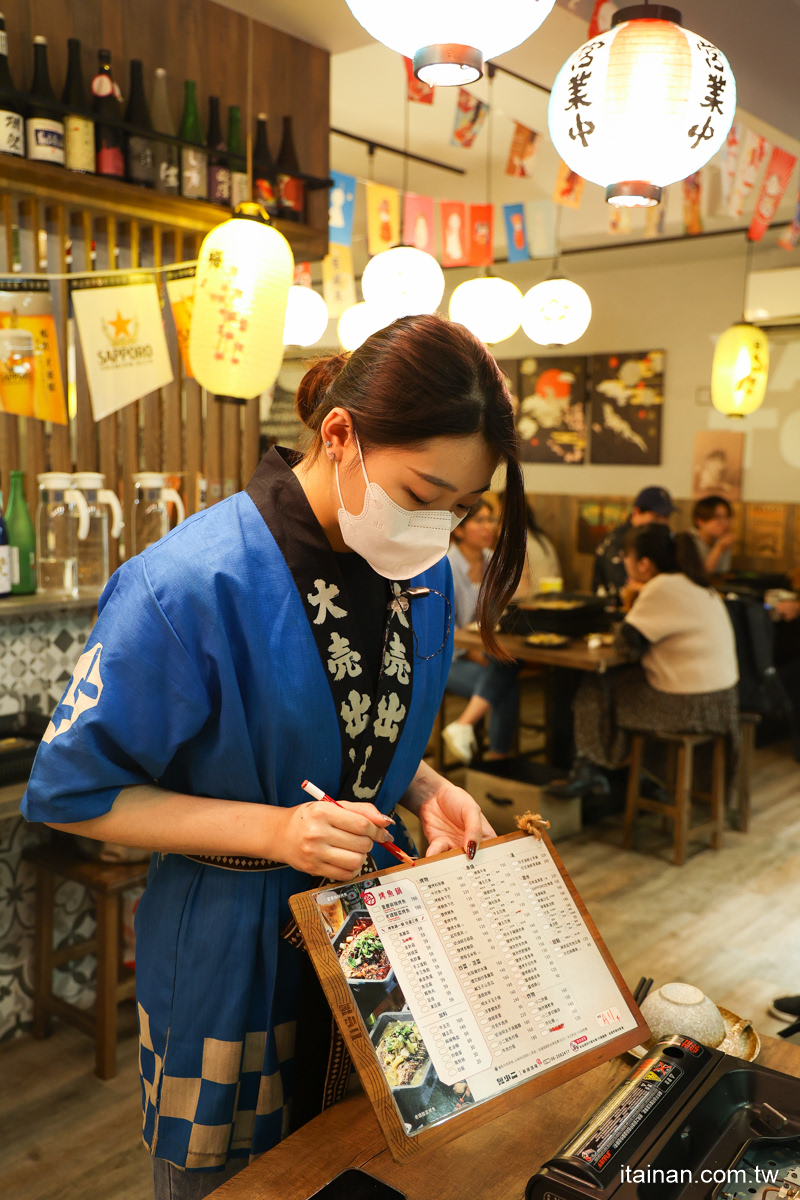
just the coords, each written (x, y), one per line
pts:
(337, 432)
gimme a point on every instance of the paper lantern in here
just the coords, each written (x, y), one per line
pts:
(244, 271)
(642, 106)
(306, 317)
(449, 42)
(404, 281)
(740, 371)
(490, 308)
(360, 321)
(556, 312)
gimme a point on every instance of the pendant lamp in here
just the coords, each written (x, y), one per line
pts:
(556, 312)
(360, 321)
(642, 106)
(306, 317)
(490, 308)
(244, 271)
(404, 281)
(740, 371)
(449, 42)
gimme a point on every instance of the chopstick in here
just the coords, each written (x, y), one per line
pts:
(318, 794)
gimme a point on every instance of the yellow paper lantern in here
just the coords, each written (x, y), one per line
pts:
(740, 371)
(556, 312)
(244, 271)
(306, 317)
(490, 308)
(404, 280)
(360, 321)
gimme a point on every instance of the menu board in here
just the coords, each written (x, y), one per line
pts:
(458, 983)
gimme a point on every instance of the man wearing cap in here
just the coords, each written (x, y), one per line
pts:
(653, 505)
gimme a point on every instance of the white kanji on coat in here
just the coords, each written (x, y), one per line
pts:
(389, 717)
(355, 714)
(365, 793)
(342, 659)
(395, 661)
(324, 597)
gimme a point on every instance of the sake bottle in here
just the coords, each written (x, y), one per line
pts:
(109, 137)
(194, 163)
(167, 171)
(264, 180)
(237, 157)
(5, 556)
(12, 126)
(44, 129)
(78, 124)
(219, 172)
(290, 187)
(140, 160)
(22, 539)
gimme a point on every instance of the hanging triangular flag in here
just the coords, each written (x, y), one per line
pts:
(733, 146)
(481, 235)
(418, 228)
(654, 220)
(601, 18)
(470, 116)
(754, 150)
(524, 144)
(540, 218)
(383, 217)
(455, 244)
(692, 215)
(418, 91)
(789, 237)
(619, 221)
(569, 187)
(516, 235)
(338, 281)
(776, 180)
(341, 205)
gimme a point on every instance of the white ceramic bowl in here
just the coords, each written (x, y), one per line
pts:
(681, 1008)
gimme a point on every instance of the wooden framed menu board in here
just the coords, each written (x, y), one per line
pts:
(464, 988)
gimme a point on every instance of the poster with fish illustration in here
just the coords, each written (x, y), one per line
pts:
(551, 419)
(626, 401)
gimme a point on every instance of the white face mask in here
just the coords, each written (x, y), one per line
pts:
(396, 543)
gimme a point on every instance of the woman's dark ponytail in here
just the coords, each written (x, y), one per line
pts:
(688, 560)
(314, 387)
(670, 553)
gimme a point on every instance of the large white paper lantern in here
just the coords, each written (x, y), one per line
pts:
(450, 41)
(642, 106)
(741, 369)
(360, 321)
(405, 281)
(306, 317)
(556, 312)
(490, 308)
(244, 271)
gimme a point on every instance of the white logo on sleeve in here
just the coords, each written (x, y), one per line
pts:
(83, 692)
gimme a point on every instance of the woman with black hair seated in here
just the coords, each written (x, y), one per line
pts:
(679, 636)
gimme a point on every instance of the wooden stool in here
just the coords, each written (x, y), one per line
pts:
(747, 740)
(106, 882)
(680, 810)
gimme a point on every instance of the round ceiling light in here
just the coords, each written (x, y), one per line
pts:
(449, 42)
(306, 317)
(740, 371)
(490, 308)
(360, 321)
(404, 281)
(556, 312)
(642, 106)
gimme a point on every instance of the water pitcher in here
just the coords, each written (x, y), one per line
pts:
(150, 516)
(105, 521)
(62, 520)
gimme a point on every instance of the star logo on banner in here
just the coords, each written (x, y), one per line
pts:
(121, 331)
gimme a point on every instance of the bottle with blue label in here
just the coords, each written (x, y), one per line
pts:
(44, 128)
(5, 556)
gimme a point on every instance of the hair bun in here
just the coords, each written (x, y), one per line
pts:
(315, 383)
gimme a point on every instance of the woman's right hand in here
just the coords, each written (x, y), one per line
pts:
(325, 839)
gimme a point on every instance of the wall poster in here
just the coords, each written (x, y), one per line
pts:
(551, 421)
(765, 530)
(596, 519)
(627, 399)
(30, 367)
(717, 464)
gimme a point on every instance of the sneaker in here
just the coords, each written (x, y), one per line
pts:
(584, 779)
(461, 741)
(785, 1008)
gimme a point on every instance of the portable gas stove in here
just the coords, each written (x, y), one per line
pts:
(688, 1122)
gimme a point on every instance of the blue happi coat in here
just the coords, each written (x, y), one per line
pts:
(225, 663)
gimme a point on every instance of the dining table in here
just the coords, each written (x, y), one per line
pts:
(575, 654)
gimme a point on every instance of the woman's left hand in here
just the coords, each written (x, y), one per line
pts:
(452, 820)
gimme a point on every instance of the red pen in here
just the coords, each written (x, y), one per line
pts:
(318, 794)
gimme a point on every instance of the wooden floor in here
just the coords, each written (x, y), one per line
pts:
(728, 922)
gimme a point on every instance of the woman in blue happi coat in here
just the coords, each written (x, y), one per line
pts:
(300, 629)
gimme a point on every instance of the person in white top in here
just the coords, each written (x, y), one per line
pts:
(679, 634)
(541, 560)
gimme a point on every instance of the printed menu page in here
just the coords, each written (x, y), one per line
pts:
(471, 977)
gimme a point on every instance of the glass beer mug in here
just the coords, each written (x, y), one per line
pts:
(150, 517)
(62, 520)
(93, 565)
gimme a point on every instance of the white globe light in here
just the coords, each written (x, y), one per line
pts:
(642, 106)
(360, 321)
(404, 281)
(449, 42)
(306, 317)
(490, 308)
(556, 312)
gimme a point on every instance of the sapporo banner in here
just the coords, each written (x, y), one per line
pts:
(30, 368)
(124, 348)
(180, 293)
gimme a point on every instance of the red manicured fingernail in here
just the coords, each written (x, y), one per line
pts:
(471, 848)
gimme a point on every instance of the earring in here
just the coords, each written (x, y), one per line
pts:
(331, 455)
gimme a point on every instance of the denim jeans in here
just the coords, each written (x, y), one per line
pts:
(171, 1183)
(497, 684)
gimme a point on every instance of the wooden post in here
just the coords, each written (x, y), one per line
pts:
(129, 431)
(60, 447)
(86, 458)
(107, 981)
(43, 950)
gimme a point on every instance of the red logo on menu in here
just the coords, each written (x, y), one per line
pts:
(369, 898)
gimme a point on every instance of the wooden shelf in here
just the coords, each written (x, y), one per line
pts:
(47, 606)
(113, 197)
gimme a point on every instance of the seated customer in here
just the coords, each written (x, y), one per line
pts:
(712, 533)
(679, 634)
(653, 505)
(541, 559)
(491, 685)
